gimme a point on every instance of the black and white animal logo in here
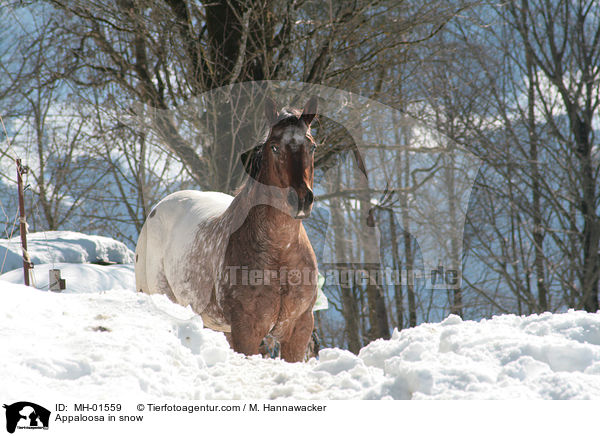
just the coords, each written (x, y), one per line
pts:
(26, 415)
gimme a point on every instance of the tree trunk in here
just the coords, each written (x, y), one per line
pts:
(408, 252)
(538, 233)
(457, 300)
(377, 311)
(590, 218)
(397, 266)
(349, 303)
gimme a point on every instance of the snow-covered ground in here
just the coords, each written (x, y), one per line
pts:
(100, 339)
(119, 344)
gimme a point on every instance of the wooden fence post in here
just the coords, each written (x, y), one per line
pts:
(27, 265)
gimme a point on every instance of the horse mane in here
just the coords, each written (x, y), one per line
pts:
(251, 160)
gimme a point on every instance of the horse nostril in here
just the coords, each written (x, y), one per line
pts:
(309, 197)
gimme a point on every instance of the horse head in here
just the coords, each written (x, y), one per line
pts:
(285, 160)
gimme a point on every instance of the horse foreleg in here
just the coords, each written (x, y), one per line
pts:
(294, 348)
(247, 332)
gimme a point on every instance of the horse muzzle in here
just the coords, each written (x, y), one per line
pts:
(301, 205)
(302, 214)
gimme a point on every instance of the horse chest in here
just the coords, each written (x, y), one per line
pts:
(287, 275)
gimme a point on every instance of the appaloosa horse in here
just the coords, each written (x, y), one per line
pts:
(245, 264)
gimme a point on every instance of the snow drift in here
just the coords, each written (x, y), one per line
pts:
(63, 246)
(121, 344)
(80, 278)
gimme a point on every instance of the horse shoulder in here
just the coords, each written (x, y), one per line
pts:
(306, 250)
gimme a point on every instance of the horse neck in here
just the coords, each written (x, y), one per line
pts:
(261, 223)
(267, 223)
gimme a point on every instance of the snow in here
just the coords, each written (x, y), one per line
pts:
(62, 246)
(119, 344)
(100, 339)
(79, 278)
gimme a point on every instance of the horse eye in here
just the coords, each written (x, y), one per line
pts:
(274, 148)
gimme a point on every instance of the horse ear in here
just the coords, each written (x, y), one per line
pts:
(310, 110)
(271, 111)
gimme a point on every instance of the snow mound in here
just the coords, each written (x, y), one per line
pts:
(125, 345)
(548, 356)
(79, 278)
(63, 246)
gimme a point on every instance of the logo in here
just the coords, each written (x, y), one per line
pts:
(26, 415)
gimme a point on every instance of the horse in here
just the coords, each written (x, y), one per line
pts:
(244, 263)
